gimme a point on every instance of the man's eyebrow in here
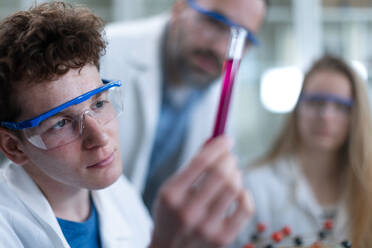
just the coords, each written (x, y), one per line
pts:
(219, 13)
(220, 17)
(214, 19)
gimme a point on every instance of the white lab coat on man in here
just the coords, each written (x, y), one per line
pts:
(133, 55)
(27, 219)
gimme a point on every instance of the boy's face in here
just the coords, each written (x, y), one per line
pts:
(93, 160)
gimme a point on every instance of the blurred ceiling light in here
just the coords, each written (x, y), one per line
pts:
(280, 88)
(360, 68)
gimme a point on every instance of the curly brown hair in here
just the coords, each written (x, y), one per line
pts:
(44, 43)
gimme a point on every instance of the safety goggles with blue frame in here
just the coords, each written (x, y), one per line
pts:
(219, 17)
(60, 126)
(318, 101)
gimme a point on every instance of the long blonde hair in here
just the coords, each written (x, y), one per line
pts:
(356, 152)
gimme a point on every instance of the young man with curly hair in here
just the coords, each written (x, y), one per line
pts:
(58, 126)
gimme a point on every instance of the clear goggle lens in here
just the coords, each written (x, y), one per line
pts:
(67, 125)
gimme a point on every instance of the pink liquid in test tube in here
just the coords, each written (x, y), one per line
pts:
(230, 69)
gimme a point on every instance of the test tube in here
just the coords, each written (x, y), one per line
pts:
(230, 69)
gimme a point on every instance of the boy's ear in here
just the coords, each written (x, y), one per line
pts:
(11, 146)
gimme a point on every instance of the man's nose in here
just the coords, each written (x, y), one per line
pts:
(218, 42)
(93, 133)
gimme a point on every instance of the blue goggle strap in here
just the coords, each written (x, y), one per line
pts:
(327, 98)
(36, 121)
(221, 18)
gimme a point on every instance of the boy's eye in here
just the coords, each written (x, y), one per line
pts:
(100, 104)
(61, 123)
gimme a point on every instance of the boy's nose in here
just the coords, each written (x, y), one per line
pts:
(92, 132)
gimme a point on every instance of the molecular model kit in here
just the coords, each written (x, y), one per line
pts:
(284, 239)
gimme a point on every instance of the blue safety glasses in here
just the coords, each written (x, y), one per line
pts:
(217, 16)
(62, 125)
(317, 102)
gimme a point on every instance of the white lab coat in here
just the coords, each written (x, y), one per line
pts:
(283, 198)
(27, 219)
(133, 56)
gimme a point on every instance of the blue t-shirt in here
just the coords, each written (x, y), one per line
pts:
(82, 234)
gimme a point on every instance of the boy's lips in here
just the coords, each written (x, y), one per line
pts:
(103, 162)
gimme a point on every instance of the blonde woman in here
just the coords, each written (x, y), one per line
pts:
(320, 167)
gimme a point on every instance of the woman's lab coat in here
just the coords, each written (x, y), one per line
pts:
(283, 198)
(27, 219)
(133, 56)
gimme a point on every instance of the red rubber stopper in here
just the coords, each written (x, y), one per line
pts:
(261, 227)
(277, 236)
(328, 224)
(286, 231)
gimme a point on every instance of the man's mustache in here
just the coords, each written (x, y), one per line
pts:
(210, 55)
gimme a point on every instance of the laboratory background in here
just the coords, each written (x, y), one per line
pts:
(294, 34)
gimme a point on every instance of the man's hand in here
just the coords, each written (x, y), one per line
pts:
(203, 205)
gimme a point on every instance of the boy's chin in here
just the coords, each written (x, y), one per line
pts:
(106, 181)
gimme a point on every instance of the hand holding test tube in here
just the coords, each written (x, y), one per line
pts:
(230, 69)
